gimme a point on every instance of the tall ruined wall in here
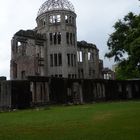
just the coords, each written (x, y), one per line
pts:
(88, 61)
(27, 55)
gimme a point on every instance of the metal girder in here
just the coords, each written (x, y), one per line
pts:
(51, 5)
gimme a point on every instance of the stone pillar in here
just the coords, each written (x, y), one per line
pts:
(81, 93)
(47, 92)
(129, 91)
(33, 90)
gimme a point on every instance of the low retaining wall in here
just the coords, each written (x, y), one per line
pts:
(15, 94)
(38, 91)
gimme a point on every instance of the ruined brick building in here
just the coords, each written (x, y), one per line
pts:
(51, 49)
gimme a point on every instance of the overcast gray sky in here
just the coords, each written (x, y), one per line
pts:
(95, 19)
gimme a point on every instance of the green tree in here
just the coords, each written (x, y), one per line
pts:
(124, 46)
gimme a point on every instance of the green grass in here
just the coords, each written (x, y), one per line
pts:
(102, 121)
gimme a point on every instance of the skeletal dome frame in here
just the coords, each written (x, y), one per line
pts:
(51, 5)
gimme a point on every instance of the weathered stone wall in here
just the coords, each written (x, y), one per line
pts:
(27, 55)
(61, 91)
(15, 94)
(88, 61)
(5, 95)
(38, 91)
(39, 88)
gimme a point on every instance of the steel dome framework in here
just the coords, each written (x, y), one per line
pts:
(51, 5)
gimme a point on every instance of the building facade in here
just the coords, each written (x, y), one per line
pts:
(51, 49)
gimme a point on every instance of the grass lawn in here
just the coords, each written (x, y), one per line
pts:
(101, 121)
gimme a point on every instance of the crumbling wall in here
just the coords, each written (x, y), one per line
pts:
(58, 91)
(63, 91)
(20, 94)
(5, 95)
(27, 55)
(88, 61)
(44, 90)
(15, 94)
(39, 87)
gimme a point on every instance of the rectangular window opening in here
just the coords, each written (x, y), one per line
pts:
(68, 59)
(80, 56)
(92, 56)
(67, 37)
(55, 59)
(51, 19)
(72, 60)
(89, 56)
(73, 20)
(55, 19)
(59, 38)
(70, 20)
(69, 76)
(51, 60)
(74, 39)
(19, 43)
(44, 22)
(55, 38)
(73, 76)
(82, 73)
(60, 59)
(71, 42)
(51, 38)
(58, 17)
(66, 18)
(23, 76)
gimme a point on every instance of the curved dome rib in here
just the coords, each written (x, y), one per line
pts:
(51, 5)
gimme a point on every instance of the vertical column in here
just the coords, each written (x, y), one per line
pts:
(129, 91)
(81, 93)
(47, 92)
